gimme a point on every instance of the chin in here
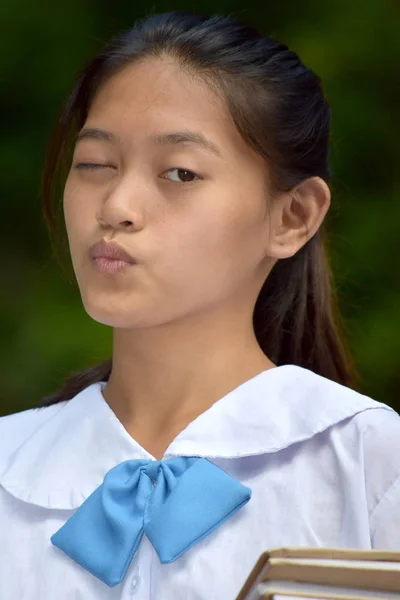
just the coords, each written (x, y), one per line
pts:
(108, 314)
(119, 319)
(112, 320)
(145, 319)
(132, 313)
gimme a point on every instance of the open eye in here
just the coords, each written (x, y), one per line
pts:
(184, 175)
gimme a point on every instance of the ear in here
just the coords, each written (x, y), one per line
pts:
(296, 216)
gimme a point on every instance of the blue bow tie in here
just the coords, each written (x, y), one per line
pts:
(176, 503)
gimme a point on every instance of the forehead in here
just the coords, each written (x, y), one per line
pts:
(157, 84)
(158, 95)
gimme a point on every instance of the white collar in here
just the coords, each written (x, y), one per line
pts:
(67, 456)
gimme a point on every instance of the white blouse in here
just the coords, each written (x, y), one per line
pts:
(322, 461)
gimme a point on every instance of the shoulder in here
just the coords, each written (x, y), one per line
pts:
(378, 432)
(337, 402)
(55, 456)
(368, 422)
(374, 423)
(352, 421)
(374, 434)
(370, 438)
(17, 428)
(305, 404)
(364, 434)
(379, 439)
(378, 428)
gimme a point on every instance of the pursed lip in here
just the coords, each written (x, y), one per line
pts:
(103, 249)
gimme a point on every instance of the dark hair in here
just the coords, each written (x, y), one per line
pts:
(279, 108)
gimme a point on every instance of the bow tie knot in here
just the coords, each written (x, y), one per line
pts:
(152, 468)
(176, 503)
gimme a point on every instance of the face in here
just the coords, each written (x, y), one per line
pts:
(192, 216)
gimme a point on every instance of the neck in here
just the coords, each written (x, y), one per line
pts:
(163, 378)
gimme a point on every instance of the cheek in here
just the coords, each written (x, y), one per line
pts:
(79, 217)
(80, 224)
(71, 211)
(232, 233)
(215, 248)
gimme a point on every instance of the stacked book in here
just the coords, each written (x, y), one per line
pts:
(324, 574)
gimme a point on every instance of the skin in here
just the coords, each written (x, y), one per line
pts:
(204, 242)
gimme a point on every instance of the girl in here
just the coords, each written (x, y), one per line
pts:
(226, 422)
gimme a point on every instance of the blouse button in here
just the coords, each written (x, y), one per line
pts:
(135, 584)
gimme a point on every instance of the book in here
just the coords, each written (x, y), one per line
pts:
(290, 597)
(324, 573)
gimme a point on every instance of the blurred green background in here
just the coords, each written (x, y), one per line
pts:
(355, 48)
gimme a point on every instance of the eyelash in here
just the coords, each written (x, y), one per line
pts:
(98, 166)
(92, 166)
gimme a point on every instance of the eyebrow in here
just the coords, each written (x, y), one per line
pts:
(162, 139)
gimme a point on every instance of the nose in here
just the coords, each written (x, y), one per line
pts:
(115, 224)
(117, 209)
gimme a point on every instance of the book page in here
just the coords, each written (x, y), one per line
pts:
(309, 590)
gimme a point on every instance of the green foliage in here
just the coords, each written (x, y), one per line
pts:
(354, 47)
